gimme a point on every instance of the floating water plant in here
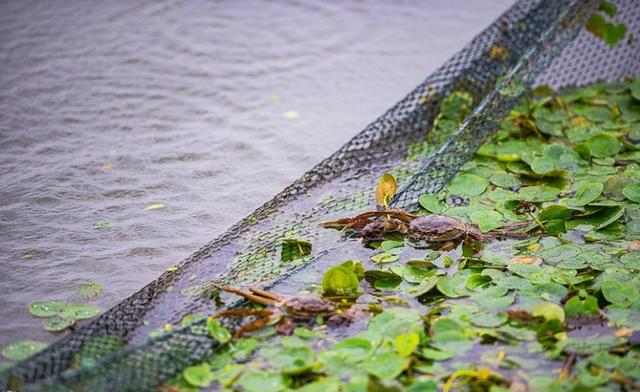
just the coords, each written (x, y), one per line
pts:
(555, 309)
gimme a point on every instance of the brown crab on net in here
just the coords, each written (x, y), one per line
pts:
(283, 310)
(433, 228)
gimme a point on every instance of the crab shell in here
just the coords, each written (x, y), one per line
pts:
(437, 228)
(308, 307)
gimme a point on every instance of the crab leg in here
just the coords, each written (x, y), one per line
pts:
(266, 294)
(243, 313)
(252, 326)
(397, 214)
(246, 294)
(261, 320)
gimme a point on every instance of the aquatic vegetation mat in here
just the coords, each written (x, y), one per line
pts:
(431, 291)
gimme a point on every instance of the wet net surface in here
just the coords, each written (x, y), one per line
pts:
(534, 42)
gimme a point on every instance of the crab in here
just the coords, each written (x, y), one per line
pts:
(373, 225)
(282, 310)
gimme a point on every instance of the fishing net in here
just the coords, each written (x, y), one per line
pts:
(145, 340)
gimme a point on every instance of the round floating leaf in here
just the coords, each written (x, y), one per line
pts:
(586, 194)
(620, 294)
(79, 312)
(548, 311)
(23, 349)
(543, 165)
(389, 244)
(386, 366)
(486, 220)
(218, 331)
(260, 381)
(603, 145)
(431, 204)
(407, 343)
(555, 211)
(354, 349)
(632, 192)
(487, 320)
(504, 180)
(340, 280)
(538, 193)
(384, 257)
(576, 306)
(293, 360)
(57, 324)
(437, 355)
(198, 375)
(46, 308)
(467, 185)
(631, 260)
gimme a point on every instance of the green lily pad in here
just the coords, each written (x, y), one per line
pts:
(340, 280)
(354, 349)
(431, 204)
(489, 320)
(604, 145)
(486, 220)
(57, 324)
(386, 366)
(293, 360)
(623, 294)
(406, 343)
(384, 257)
(218, 331)
(46, 308)
(555, 212)
(199, 375)
(632, 192)
(79, 312)
(586, 194)
(23, 349)
(504, 180)
(437, 354)
(467, 185)
(576, 306)
(548, 311)
(259, 381)
(538, 193)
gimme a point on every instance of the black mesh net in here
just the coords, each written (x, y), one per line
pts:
(141, 342)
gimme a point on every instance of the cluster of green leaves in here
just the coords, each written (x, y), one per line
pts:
(600, 26)
(59, 315)
(557, 311)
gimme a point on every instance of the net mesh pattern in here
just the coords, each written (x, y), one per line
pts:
(544, 42)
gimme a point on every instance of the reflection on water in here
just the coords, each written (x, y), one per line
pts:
(107, 108)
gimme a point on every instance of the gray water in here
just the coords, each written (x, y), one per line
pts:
(109, 107)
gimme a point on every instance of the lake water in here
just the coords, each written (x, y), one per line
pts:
(209, 108)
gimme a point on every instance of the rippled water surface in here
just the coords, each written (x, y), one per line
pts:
(109, 107)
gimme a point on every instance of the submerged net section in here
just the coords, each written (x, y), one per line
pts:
(143, 341)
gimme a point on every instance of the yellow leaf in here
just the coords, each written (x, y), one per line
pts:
(386, 189)
(108, 166)
(623, 332)
(290, 115)
(154, 207)
(534, 247)
(530, 260)
(549, 311)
